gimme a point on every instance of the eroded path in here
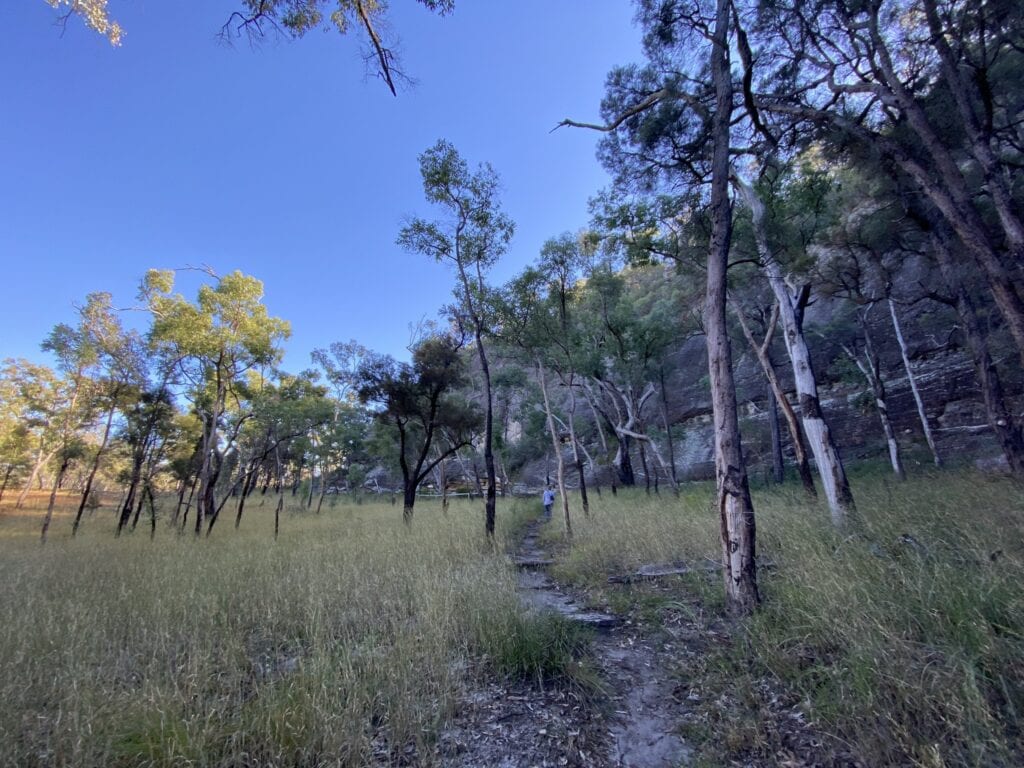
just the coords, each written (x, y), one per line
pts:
(642, 727)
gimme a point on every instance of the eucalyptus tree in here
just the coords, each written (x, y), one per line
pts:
(212, 344)
(629, 320)
(871, 258)
(286, 411)
(295, 18)
(539, 318)
(75, 406)
(562, 261)
(149, 423)
(792, 305)
(471, 236)
(420, 404)
(15, 432)
(669, 125)
(529, 317)
(892, 218)
(929, 87)
(340, 365)
(120, 371)
(35, 393)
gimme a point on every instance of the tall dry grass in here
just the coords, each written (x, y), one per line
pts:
(347, 640)
(903, 638)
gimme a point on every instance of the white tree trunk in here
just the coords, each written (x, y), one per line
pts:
(819, 436)
(913, 384)
(560, 465)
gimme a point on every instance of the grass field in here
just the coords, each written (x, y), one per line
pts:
(350, 638)
(346, 639)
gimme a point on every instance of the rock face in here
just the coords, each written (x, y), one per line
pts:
(945, 378)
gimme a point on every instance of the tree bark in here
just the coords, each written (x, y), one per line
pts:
(673, 477)
(871, 370)
(557, 447)
(826, 455)
(643, 463)
(624, 463)
(92, 472)
(1000, 417)
(584, 501)
(53, 497)
(7, 477)
(41, 460)
(803, 466)
(778, 468)
(491, 502)
(735, 507)
(913, 384)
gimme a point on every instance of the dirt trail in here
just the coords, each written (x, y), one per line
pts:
(653, 685)
(642, 727)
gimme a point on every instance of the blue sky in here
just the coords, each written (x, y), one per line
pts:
(284, 161)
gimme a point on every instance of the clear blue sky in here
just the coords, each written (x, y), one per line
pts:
(284, 161)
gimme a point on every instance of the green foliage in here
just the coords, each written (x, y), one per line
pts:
(478, 234)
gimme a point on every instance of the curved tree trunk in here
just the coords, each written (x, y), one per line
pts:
(1000, 417)
(778, 467)
(584, 501)
(41, 460)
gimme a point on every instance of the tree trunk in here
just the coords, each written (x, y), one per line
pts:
(188, 504)
(1000, 417)
(778, 468)
(943, 181)
(7, 477)
(913, 383)
(803, 466)
(53, 497)
(408, 502)
(148, 493)
(181, 501)
(92, 472)
(830, 466)
(584, 501)
(736, 510)
(871, 370)
(673, 477)
(277, 514)
(489, 505)
(41, 460)
(247, 486)
(640, 444)
(557, 447)
(624, 463)
(323, 485)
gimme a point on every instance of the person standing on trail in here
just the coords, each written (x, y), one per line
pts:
(549, 501)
